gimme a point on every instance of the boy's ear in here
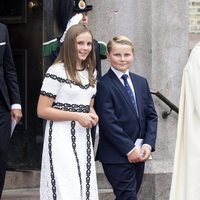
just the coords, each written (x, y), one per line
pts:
(108, 56)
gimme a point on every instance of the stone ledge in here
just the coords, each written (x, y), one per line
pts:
(33, 194)
(155, 186)
(22, 179)
(21, 194)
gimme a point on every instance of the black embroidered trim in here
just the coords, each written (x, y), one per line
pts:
(68, 81)
(48, 94)
(72, 107)
(88, 164)
(88, 172)
(53, 181)
(73, 137)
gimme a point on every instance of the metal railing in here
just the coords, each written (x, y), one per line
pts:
(173, 107)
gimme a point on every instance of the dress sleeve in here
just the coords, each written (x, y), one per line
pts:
(51, 82)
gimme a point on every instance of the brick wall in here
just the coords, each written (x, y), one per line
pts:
(194, 22)
(194, 16)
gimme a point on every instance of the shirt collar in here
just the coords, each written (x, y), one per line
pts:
(119, 73)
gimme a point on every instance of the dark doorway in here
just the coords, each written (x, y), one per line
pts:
(24, 19)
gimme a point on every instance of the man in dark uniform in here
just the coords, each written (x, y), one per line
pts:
(10, 108)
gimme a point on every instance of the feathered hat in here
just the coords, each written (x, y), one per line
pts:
(81, 6)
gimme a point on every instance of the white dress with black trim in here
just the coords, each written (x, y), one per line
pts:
(68, 167)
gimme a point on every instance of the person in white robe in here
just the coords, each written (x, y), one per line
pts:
(186, 172)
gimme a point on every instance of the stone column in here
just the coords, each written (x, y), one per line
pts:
(159, 30)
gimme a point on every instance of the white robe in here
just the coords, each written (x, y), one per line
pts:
(186, 173)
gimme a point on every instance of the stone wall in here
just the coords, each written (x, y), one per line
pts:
(159, 30)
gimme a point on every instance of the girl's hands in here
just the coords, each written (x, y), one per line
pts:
(87, 120)
(95, 118)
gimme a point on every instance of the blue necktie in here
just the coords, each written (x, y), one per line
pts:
(129, 91)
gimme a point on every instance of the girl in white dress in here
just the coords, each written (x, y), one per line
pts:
(66, 102)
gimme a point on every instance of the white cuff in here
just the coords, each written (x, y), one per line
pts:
(16, 106)
(147, 146)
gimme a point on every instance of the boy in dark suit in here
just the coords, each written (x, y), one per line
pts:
(10, 107)
(127, 121)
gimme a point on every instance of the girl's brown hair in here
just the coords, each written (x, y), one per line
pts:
(68, 55)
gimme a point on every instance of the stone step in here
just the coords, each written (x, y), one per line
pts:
(106, 194)
(21, 186)
(31, 179)
(22, 179)
(33, 194)
(21, 194)
(102, 181)
(24, 185)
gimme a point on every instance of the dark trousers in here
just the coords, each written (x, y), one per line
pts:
(93, 134)
(125, 179)
(5, 129)
(3, 165)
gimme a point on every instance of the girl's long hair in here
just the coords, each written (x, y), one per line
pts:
(68, 55)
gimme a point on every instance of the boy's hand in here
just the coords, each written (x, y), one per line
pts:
(145, 152)
(135, 156)
(16, 114)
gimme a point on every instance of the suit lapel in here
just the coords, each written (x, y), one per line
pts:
(121, 89)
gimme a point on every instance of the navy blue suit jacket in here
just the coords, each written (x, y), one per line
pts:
(9, 90)
(8, 78)
(119, 125)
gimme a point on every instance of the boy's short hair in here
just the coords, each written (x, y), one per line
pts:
(120, 39)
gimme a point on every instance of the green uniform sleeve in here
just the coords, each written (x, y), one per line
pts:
(103, 49)
(49, 47)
